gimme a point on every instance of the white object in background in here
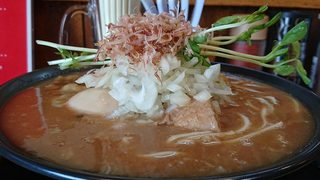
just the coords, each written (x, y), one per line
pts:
(185, 8)
(197, 11)
(172, 6)
(101, 13)
(149, 6)
(169, 5)
(134, 6)
(119, 11)
(162, 6)
(110, 11)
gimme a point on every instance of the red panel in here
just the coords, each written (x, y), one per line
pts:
(13, 39)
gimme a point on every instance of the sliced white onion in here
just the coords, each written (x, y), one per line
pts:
(131, 106)
(144, 87)
(122, 64)
(179, 98)
(191, 63)
(119, 89)
(212, 73)
(174, 87)
(168, 63)
(118, 112)
(165, 97)
(145, 98)
(226, 91)
(105, 80)
(173, 61)
(192, 71)
(200, 86)
(180, 78)
(170, 108)
(87, 79)
(164, 66)
(171, 78)
(200, 78)
(202, 96)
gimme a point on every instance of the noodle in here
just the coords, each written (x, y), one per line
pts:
(264, 101)
(162, 154)
(255, 133)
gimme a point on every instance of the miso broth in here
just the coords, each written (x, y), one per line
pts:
(259, 125)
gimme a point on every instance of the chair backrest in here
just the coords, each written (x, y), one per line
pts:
(168, 5)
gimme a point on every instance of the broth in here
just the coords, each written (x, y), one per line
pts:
(259, 125)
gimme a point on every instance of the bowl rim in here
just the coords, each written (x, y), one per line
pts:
(295, 161)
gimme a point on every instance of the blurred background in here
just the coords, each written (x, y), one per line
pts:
(45, 17)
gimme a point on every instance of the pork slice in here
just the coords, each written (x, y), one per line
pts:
(196, 116)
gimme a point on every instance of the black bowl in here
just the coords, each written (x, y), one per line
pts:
(298, 160)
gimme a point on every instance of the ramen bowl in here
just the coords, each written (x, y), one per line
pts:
(297, 160)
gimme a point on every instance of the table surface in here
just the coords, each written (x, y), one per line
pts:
(10, 170)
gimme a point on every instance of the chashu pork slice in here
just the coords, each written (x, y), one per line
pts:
(96, 101)
(196, 116)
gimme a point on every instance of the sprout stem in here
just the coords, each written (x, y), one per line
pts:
(71, 48)
(218, 28)
(215, 48)
(229, 56)
(80, 58)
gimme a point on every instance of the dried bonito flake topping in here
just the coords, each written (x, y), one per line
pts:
(145, 38)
